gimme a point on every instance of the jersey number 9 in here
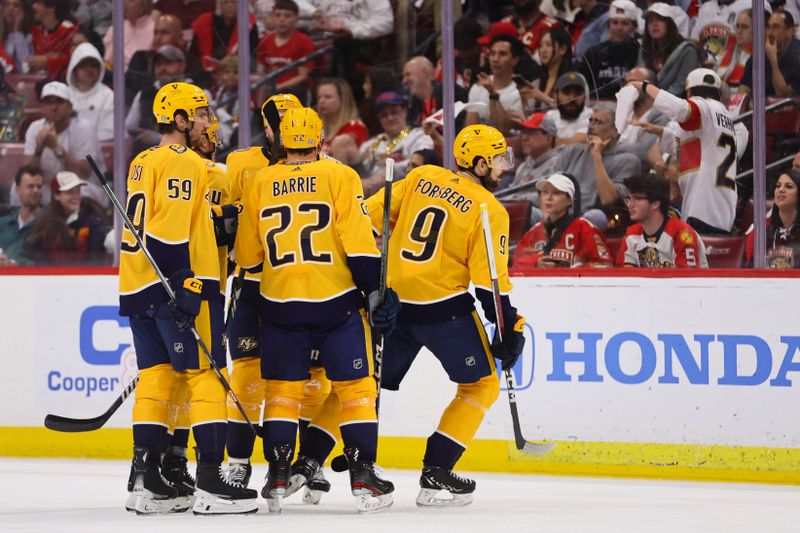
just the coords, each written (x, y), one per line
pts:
(425, 231)
(135, 212)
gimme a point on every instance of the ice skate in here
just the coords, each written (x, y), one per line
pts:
(280, 469)
(435, 480)
(216, 494)
(372, 492)
(239, 471)
(307, 472)
(175, 470)
(149, 492)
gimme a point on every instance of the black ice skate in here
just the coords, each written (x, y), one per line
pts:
(372, 492)
(307, 472)
(435, 479)
(149, 492)
(216, 494)
(280, 469)
(239, 471)
(175, 470)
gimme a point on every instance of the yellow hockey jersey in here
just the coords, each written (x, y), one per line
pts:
(308, 224)
(219, 193)
(437, 246)
(167, 191)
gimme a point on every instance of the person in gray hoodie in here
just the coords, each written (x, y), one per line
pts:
(91, 99)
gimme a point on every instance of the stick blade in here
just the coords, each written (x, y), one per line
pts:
(532, 448)
(72, 425)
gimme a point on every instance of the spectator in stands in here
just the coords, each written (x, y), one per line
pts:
(16, 24)
(94, 15)
(28, 183)
(52, 36)
(60, 141)
(284, 46)
(712, 12)
(538, 140)
(498, 90)
(423, 157)
(600, 165)
(91, 99)
(467, 58)
(68, 231)
(12, 106)
(398, 141)
(665, 51)
(782, 68)
(657, 240)
(167, 30)
(531, 23)
(555, 54)
(734, 72)
(137, 30)
(606, 64)
(560, 9)
(525, 67)
(589, 25)
(642, 125)
(344, 131)
(377, 79)
(571, 116)
(169, 64)
(783, 226)
(6, 63)
(215, 34)
(425, 91)
(562, 239)
(187, 11)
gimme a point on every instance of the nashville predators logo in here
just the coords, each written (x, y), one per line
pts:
(246, 344)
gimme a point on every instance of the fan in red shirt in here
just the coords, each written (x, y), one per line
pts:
(531, 23)
(286, 45)
(216, 36)
(344, 131)
(562, 239)
(52, 37)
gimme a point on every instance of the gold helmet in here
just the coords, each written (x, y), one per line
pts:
(282, 102)
(301, 128)
(178, 96)
(483, 141)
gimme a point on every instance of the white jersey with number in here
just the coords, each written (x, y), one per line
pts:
(707, 163)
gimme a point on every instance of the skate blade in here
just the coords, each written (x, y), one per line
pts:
(429, 498)
(143, 503)
(182, 504)
(296, 482)
(275, 505)
(207, 504)
(372, 503)
(312, 497)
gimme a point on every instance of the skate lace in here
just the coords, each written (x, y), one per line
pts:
(378, 471)
(235, 477)
(459, 478)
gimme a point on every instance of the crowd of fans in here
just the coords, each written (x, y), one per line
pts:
(598, 168)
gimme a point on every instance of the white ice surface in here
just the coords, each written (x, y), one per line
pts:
(83, 495)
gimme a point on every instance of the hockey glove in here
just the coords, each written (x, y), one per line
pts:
(510, 349)
(383, 315)
(186, 305)
(226, 221)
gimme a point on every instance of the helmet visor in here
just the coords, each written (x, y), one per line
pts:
(504, 161)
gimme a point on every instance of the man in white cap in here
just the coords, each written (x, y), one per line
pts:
(605, 65)
(708, 155)
(61, 140)
(562, 239)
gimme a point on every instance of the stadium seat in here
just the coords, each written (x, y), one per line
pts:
(25, 85)
(614, 246)
(723, 251)
(519, 214)
(783, 131)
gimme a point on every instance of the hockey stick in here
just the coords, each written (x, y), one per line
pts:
(339, 463)
(77, 425)
(530, 448)
(134, 230)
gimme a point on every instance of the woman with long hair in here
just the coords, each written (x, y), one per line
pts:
(343, 129)
(16, 21)
(665, 51)
(783, 226)
(555, 54)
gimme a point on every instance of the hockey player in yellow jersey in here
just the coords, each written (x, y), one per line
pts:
(167, 200)
(436, 250)
(305, 222)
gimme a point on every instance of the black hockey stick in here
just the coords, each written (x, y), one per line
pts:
(77, 425)
(530, 448)
(339, 463)
(135, 231)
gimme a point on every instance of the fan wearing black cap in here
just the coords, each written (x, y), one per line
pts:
(783, 226)
(710, 146)
(572, 114)
(562, 239)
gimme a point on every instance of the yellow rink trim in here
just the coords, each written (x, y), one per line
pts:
(614, 459)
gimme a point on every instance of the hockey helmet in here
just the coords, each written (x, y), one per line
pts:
(212, 131)
(301, 128)
(178, 96)
(483, 141)
(703, 77)
(281, 102)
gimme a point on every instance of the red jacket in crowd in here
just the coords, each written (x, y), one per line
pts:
(569, 242)
(56, 45)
